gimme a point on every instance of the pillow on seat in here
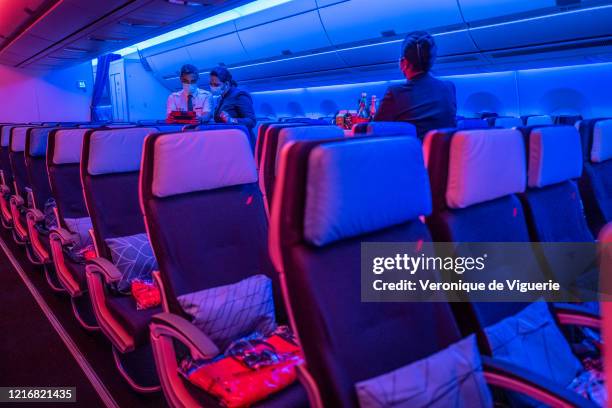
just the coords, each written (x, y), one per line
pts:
(228, 312)
(532, 339)
(80, 227)
(49, 214)
(134, 258)
(450, 378)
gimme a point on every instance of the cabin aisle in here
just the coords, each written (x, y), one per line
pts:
(28, 336)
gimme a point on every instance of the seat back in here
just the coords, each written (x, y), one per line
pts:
(36, 165)
(532, 120)
(472, 123)
(506, 122)
(266, 130)
(205, 216)
(16, 156)
(162, 127)
(333, 196)
(596, 181)
(475, 176)
(63, 165)
(276, 140)
(567, 119)
(384, 129)
(110, 168)
(5, 163)
(552, 202)
(303, 120)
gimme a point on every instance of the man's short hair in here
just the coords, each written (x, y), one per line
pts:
(188, 69)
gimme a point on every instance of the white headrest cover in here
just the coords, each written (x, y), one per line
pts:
(555, 155)
(539, 120)
(68, 143)
(6, 134)
(292, 134)
(484, 165)
(602, 141)
(38, 141)
(204, 160)
(117, 150)
(18, 139)
(363, 185)
(508, 123)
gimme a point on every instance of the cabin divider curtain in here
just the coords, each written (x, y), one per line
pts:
(101, 89)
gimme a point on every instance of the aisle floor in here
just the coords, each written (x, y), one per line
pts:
(33, 353)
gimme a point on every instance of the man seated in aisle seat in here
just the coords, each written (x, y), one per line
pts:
(425, 101)
(191, 98)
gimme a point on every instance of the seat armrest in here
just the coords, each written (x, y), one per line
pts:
(105, 268)
(63, 235)
(508, 376)
(17, 200)
(35, 215)
(199, 344)
(577, 315)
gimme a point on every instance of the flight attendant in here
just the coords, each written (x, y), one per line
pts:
(234, 105)
(191, 98)
(425, 101)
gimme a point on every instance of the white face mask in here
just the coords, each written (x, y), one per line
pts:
(216, 90)
(190, 88)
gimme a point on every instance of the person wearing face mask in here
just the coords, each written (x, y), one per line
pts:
(234, 104)
(190, 98)
(425, 101)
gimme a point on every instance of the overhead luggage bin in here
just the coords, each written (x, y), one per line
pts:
(543, 27)
(356, 20)
(290, 28)
(226, 49)
(168, 63)
(478, 10)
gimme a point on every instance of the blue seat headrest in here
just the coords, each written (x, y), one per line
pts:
(508, 122)
(555, 155)
(362, 185)
(67, 147)
(216, 159)
(6, 134)
(602, 141)
(38, 141)
(385, 129)
(485, 165)
(539, 120)
(18, 139)
(292, 134)
(116, 150)
(472, 123)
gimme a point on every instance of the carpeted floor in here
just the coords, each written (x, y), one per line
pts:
(33, 354)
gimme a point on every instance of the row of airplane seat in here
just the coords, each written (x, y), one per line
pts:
(259, 241)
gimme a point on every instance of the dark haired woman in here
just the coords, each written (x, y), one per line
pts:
(426, 102)
(234, 105)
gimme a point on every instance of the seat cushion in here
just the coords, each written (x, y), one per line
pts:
(532, 339)
(451, 377)
(555, 214)
(596, 191)
(135, 322)
(293, 396)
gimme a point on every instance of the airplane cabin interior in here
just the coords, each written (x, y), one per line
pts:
(305, 203)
